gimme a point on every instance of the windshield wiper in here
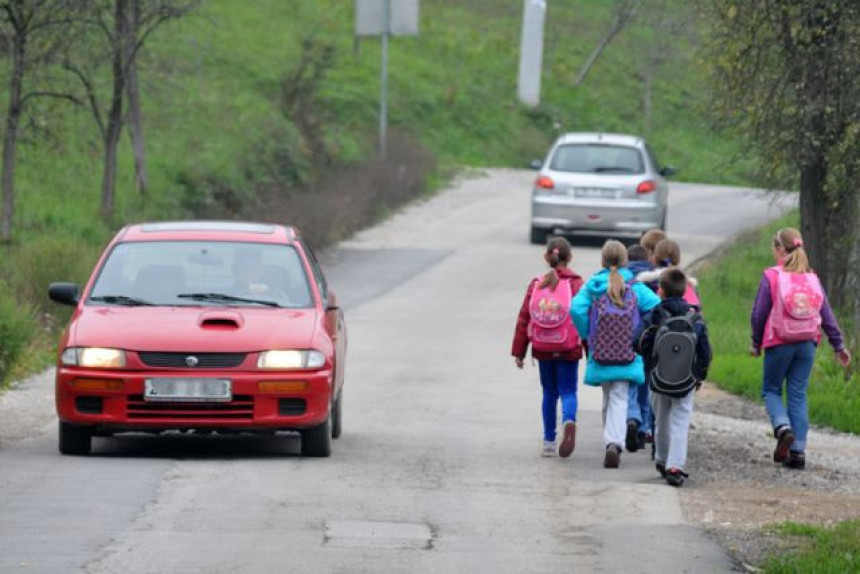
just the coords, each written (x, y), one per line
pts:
(224, 298)
(122, 300)
(605, 168)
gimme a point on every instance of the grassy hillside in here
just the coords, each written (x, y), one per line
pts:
(218, 134)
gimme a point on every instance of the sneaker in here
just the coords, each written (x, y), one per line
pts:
(796, 460)
(631, 441)
(675, 476)
(613, 456)
(568, 439)
(649, 438)
(784, 439)
(642, 442)
(548, 448)
(661, 468)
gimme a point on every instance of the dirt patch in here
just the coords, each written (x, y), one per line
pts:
(736, 491)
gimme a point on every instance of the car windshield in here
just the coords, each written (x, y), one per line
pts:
(202, 273)
(597, 158)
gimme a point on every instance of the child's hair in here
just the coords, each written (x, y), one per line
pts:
(557, 252)
(673, 282)
(667, 253)
(651, 238)
(637, 253)
(614, 256)
(796, 260)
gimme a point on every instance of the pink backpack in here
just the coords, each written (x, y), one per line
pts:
(551, 329)
(797, 301)
(691, 297)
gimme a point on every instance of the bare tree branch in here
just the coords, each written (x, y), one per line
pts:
(626, 11)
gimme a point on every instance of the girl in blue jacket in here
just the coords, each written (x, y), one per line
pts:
(615, 379)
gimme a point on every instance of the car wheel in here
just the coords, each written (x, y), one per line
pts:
(316, 441)
(75, 439)
(665, 219)
(337, 417)
(538, 235)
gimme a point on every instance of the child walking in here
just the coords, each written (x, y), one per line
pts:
(789, 311)
(607, 311)
(677, 354)
(638, 404)
(544, 322)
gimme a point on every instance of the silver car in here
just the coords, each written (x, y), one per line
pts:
(604, 184)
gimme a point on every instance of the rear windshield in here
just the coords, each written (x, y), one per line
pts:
(597, 158)
(157, 272)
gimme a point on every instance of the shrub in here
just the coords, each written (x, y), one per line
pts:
(17, 327)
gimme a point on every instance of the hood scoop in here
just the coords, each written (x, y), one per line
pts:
(221, 321)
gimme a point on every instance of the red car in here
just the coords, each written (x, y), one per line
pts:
(211, 326)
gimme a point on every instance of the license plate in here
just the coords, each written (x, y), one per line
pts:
(595, 192)
(187, 390)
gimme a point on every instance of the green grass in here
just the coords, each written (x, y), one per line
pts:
(728, 288)
(823, 550)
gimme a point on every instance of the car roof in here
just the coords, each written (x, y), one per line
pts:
(240, 231)
(598, 137)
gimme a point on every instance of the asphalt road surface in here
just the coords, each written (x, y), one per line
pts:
(438, 469)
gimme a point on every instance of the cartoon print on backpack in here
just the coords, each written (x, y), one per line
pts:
(544, 324)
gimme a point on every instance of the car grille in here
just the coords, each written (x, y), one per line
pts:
(204, 360)
(240, 408)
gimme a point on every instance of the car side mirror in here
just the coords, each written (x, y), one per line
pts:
(64, 293)
(536, 164)
(331, 302)
(668, 171)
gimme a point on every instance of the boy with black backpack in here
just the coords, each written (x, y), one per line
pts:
(677, 354)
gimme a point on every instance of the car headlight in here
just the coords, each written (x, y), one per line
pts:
(94, 357)
(290, 359)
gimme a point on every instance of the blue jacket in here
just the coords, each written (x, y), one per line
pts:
(580, 307)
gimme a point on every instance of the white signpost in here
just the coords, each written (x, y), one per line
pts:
(531, 52)
(385, 18)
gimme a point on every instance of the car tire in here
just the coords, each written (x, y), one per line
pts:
(316, 441)
(74, 439)
(665, 219)
(337, 417)
(539, 235)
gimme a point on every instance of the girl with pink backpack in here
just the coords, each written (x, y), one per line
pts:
(790, 310)
(544, 323)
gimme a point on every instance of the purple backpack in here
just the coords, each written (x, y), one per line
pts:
(611, 329)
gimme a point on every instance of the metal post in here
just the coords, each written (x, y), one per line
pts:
(383, 100)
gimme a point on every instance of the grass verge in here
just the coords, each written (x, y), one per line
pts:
(728, 287)
(823, 550)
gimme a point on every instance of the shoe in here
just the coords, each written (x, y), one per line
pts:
(675, 476)
(649, 438)
(548, 448)
(631, 441)
(613, 456)
(568, 439)
(641, 437)
(661, 468)
(784, 439)
(796, 460)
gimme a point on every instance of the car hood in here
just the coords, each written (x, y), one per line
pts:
(193, 329)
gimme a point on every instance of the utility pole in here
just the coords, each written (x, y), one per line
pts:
(531, 52)
(383, 98)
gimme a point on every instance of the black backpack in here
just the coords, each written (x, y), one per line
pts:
(673, 354)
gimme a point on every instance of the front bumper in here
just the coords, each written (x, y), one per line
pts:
(249, 409)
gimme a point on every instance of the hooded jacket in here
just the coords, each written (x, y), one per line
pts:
(521, 339)
(580, 308)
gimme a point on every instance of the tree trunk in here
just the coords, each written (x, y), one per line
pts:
(135, 117)
(648, 96)
(813, 220)
(10, 137)
(114, 124)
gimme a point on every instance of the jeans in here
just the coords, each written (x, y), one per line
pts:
(672, 416)
(614, 413)
(791, 364)
(639, 407)
(558, 379)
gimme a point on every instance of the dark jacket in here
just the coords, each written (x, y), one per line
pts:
(521, 338)
(676, 307)
(637, 267)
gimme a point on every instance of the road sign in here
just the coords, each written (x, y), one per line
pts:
(403, 17)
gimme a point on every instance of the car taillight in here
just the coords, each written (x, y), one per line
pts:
(646, 186)
(544, 182)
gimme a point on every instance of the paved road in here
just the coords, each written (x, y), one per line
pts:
(438, 468)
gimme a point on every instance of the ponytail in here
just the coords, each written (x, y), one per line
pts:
(558, 253)
(796, 260)
(614, 256)
(616, 287)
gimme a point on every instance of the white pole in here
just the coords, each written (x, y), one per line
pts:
(531, 52)
(383, 100)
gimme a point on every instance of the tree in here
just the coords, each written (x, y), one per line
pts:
(35, 31)
(124, 26)
(787, 75)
